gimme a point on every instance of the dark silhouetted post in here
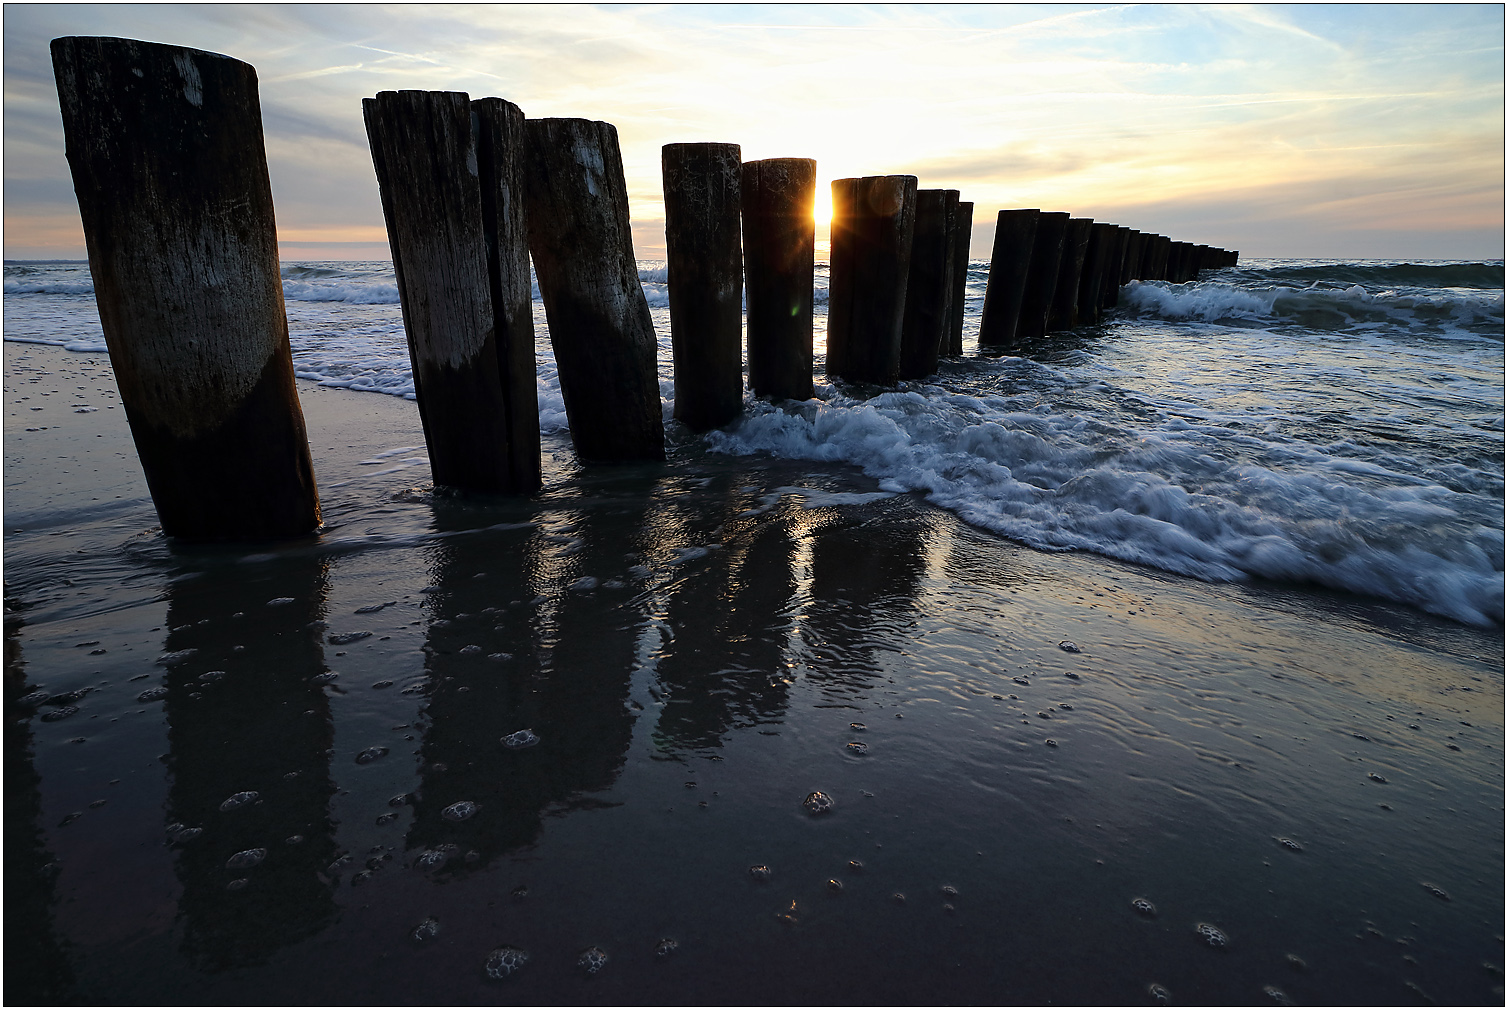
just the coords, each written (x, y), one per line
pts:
(963, 231)
(1065, 300)
(704, 268)
(1111, 292)
(165, 144)
(874, 219)
(599, 321)
(1092, 278)
(1132, 260)
(1010, 260)
(428, 164)
(1160, 265)
(1042, 275)
(779, 247)
(928, 284)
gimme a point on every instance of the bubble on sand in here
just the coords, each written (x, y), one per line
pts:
(592, 960)
(1159, 993)
(33, 699)
(328, 677)
(519, 739)
(433, 859)
(401, 800)
(59, 714)
(583, 584)
(499, 657)
(371, 754)
(238, 800)
(386, 818)
(460, 811)
(372, 608)
(152, 694)
(857, 748)
(174, 658)
(857, 727)
(1050, 742)
(504, 961)
(835, 885)
(379, 685)
(426, 930)
(898, 898)
(759, 872)
(1071, 676)
(70, 818)
(1068, 646)
(1212, 935)
(1295, 962)
(1290, 844)
(210, 676)
(1437, 892)
(246, 859)
(237, 884)
(1022, 681)
(1144, 907)
(281, 601)
(1376, 778)
(666, 947)
(1277, 995)
(949, 891)
(349, 637)
(294, 840)
(471, 650)
(854, 866)
(818, 803)
(185, 835)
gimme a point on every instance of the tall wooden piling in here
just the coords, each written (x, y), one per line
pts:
(599, 322)
(1144, 258)
(165, 147)
(1064, 313)
(779, 248)
(1042, 275)
(1131, 263)
(1092, 277)
(874, 219)
(704, 269)
(1010, 260)
(1163, 249)
(963, 231)
(429, 174)
(929, 285)
(1111, 281)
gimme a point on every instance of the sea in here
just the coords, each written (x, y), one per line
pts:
(1158, 661)
(1330, 422)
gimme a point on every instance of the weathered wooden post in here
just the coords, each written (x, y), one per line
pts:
(599, 322)
(1042, 275)
(500, 168)
(430, 176)
(165, 146)
(963, 230)
(924, 325)
(1010, 260)
(704, 269)
(1144, 258)
(874, 219)
(1111, 293)
(1092, 277)
(1064, 314)
(1160, 265)
(779, 249)
(1133, 256)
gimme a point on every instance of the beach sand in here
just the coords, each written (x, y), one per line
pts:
(1015, 744)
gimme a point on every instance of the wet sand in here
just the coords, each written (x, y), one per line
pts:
(698, 647)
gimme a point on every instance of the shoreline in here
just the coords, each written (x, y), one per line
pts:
(721, 621)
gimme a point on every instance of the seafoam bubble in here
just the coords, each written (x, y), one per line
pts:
(328, 677)
(281, 601)
(666, 947)
(374, 607)
(1277, 995)
(1159, 993)
(246, 859)
(1290, 844)
(59, 714)
(592, 960)
(1212, 935)
(461, 810)
(1144, 907)
(835, 885)
(174, 658)
(471, 650)
(349, 637)
(504, 961)
(1068, 646)
(238, 884)
(238, 800)
(33, 699)
(185, 835)
(1436, 891)
(371, 754)
(856, 747)
(152, 694)
(759, 871)
(857, 727)
(210, 676)
(818, 803)
(519, 739)
(426, 930)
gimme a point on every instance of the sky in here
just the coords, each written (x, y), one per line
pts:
(1305, 131)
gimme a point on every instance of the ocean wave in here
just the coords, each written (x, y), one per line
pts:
(1483, 274)
(1320, 308)
(1160, 496)
(45, 286)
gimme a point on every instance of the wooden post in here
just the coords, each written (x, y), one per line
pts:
(1010, 260)
(704, 269)
(599, 322)
(874, 219)
(1111, 293)
(428, 164)
(165, 146)
(929, 286)
(1160, 264)
(1144, 258)
(1064, 314)
(1092, 278)
(1129, 266)
(1042, 275)
(963, 230)
(779, 248)
(501, 139)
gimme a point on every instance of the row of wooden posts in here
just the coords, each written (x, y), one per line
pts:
(165, 145)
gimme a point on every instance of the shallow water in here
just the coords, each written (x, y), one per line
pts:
(693, 644)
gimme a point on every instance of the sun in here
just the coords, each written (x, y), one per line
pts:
(822, 207)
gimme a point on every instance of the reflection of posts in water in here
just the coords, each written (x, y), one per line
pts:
(730, 618)
(860, 583)
(37, 971)
(247, 714)
(499, 662)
